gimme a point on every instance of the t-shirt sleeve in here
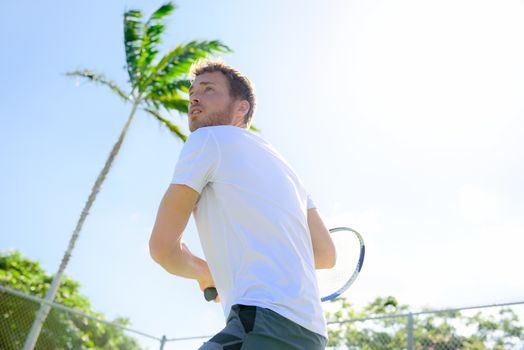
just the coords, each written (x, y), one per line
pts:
(197, 162)
(310, 203)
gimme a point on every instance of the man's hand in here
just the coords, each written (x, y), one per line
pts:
(206, 284)
(205, 280)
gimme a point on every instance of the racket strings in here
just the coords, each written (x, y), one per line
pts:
(338, 278)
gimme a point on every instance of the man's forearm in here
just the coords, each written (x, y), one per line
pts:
(323, 248)
(178, 260)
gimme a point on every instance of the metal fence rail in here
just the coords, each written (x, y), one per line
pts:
(484, 327)
(64, 328)
(497, 327)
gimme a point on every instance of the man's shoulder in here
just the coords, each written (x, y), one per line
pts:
(225, 136)
(227, 133)
(197, 138)
(198, 134)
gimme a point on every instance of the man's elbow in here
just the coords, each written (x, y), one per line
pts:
(158, 250)
(332, 261)
(327, 260)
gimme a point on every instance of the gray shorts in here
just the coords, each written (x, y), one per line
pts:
(257, 328)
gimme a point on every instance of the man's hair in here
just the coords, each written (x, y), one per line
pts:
(240, 87)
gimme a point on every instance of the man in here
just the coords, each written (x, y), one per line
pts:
(260, 232)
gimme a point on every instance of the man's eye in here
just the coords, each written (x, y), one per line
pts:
(208, 89)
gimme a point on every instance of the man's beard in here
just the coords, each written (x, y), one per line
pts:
(222, 117)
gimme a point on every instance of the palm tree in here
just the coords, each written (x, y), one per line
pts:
(156, 86)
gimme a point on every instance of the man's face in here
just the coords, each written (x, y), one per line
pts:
(209, 101)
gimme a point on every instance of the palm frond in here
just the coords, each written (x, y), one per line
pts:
(133, 34)
(168, 95)
(172, 127)
(177, 62)
(141, 39)
(163, 11)
(171, 100)
(182, 85)
(100, 79)
(152, 31)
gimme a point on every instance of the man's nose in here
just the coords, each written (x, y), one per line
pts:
(194, 100)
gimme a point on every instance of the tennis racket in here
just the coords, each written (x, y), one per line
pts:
(350, 258)
(335, 281)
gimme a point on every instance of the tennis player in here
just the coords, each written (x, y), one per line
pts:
(260, 232)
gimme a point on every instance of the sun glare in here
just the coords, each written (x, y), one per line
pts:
(444, 73)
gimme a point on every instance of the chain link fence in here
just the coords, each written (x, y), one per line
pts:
(64, 328)
(493, 327)
(487, 327)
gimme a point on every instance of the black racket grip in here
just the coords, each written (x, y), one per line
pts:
(210, 293)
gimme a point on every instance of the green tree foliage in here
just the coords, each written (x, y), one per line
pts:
(488, 330)
(62, 330)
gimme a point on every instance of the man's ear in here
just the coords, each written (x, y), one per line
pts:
(243, 107)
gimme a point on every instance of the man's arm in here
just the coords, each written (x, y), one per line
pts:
(166, 246)
(323, 247)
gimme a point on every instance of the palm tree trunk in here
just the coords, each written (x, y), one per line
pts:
(45, 307)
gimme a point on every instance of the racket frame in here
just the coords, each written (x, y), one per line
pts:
(360, 263)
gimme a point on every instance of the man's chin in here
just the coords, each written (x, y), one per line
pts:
(194, 126)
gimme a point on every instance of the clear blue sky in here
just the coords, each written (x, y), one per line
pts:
(404, 119)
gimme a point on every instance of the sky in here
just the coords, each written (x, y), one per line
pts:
(404, 118)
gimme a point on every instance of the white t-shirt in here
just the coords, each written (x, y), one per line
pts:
(251, 217)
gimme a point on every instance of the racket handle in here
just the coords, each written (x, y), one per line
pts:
(210, 293)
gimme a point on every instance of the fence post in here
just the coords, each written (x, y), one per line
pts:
(410, 331)
(162, 342)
